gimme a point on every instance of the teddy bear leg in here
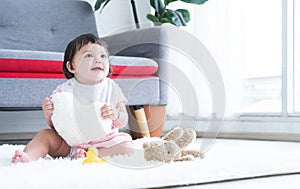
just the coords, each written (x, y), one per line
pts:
(188, 136)
(194, 153)
(173, 134)
(184, 158)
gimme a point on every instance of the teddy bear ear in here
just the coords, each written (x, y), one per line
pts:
(173, 134)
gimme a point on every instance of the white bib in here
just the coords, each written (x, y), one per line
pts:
(78, 123)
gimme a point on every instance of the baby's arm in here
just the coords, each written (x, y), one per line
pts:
(118, 114)
(47, 107)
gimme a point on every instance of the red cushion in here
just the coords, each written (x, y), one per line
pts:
(130, 76)
(57, 75)
(26, 68)
(26, 65)
(30, 75)
(133, 70)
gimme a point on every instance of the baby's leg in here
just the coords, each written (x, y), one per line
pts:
(124, 148)
(45, 142)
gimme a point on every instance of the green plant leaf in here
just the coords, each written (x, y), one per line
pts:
(198, 2)
(154, 19)
(165, 20)
(158, 5)
(99, 3)
(185, 14)
(169, 1)
(175, 17)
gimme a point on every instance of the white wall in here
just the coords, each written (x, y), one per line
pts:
(117, 16)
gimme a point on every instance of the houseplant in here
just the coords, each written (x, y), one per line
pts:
(162, 14)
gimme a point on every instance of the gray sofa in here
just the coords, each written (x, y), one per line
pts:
(35, 29)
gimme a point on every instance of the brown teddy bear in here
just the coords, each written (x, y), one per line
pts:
(172, 146)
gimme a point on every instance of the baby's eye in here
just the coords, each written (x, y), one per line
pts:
(88, 56)
(103, 56)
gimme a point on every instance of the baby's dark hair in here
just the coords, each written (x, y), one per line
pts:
(75, 45)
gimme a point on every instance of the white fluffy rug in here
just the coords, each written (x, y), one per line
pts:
(226, 160)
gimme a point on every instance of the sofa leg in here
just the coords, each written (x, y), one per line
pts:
(141, 119)
(155, 116)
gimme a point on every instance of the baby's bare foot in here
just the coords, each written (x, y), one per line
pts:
(80, 153)
(20, 156)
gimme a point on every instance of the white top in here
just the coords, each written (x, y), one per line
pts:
(77, 117)
(106, 92)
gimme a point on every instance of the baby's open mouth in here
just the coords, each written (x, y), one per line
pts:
(97, 68)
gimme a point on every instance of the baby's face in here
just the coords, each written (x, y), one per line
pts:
(91, 64)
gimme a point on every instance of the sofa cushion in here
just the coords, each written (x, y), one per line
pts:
(28, 93)
(30, 64)
(35, 64)
(27, 77)
(46, 25)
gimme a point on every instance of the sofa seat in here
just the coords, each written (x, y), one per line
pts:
(23, 71)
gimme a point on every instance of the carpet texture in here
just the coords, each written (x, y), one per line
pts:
(225, 160)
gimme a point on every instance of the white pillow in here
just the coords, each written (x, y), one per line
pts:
(77, 123)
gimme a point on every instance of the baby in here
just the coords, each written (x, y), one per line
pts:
(86, 66)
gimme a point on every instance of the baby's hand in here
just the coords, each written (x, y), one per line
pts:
(108, 112)
(47, 107)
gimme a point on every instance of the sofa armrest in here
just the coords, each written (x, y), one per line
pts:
(148, 43)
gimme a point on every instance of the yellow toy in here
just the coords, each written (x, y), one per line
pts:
(92, 157)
